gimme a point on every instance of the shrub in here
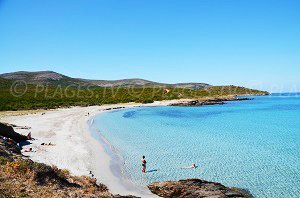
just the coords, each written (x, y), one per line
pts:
(3, 160)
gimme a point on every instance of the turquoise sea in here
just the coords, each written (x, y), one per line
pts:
(253, 144)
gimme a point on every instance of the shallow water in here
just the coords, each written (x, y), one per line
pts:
(248, 144)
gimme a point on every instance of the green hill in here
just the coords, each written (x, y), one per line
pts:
(4, 83)
(53, 79)
(46, 90)
(54, 97)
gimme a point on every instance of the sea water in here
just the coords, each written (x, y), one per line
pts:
(253, 144)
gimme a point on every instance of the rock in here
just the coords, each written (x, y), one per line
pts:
(8, 132)
(199, 103)
(191, 188)
(216, 101)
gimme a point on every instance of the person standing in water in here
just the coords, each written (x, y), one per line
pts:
(144, 164)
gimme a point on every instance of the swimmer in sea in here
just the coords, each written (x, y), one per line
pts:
(190, 167)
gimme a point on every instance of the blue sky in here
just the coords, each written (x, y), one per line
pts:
(253, 43)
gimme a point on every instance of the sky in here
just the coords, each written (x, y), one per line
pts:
(253, 43)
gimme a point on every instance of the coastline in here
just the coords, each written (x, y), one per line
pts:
(76, 147)
(114, 179)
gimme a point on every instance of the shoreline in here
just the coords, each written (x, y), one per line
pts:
(76, 146)
(115, 166)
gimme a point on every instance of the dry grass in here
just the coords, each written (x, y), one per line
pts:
(21, 177)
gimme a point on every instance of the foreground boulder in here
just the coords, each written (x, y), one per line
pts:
(191, 188)
(8, 132)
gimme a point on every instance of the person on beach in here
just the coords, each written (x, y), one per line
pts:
(143, 164)
(28, 150)
(45, 144)
(29, 136)
(91, 173)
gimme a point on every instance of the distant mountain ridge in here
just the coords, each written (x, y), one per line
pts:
(54, 78)
(42, 77)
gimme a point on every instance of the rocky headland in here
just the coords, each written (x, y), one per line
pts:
(209, 101)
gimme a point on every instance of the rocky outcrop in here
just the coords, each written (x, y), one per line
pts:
(191, 188)
(8, 132)
(114, 108)
(217, 101)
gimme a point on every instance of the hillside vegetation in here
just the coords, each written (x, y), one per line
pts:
(48, 97)
(4, 83)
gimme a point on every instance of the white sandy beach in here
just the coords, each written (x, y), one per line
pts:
(74, 148)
